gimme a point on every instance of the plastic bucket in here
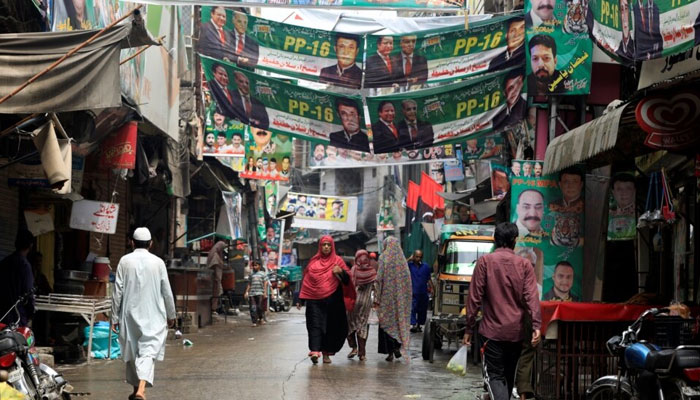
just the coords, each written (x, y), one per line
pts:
(101, 269)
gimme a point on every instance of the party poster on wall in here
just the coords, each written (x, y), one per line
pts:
(268, 155)
(622, 212)
(548, 211)
(559, 52)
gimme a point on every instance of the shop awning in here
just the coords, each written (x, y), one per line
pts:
(89, 79)
(584, 142)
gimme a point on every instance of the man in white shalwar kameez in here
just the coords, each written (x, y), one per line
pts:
(143, 308)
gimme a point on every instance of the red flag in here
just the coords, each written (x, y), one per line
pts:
(413, 193)
(429, 189)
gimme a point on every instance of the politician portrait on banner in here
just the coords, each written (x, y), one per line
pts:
(548, 211)
(285, 108)
(447, 114)
(268, 155)
(559, 52)
(313, 54)
(445, 54)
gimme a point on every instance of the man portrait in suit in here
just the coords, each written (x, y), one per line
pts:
(214, 41)
(542, 12)
(414, 68)
(415, 133)
(351, 137)
(345, 72)
(626, 49)
(385, 134)
(245, 47)
(249, 110)
(515, 47)
(516, 105)
(543, 64)
(223, 96)
(647, 31)
(381, 69)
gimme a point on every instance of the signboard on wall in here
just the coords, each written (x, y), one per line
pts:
(94, 216)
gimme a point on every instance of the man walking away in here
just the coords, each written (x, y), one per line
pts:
(504, 288)
(143, 307)
(17, 280)
(420, 278)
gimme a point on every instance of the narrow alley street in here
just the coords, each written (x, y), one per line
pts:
(236, 361)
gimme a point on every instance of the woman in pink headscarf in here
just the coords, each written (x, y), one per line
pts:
(363, 275)
(328, 292)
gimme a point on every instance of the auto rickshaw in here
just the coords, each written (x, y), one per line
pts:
(460, 247)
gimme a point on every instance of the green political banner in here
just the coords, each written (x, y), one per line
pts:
(548, 212)
(483, 148)
(622, 207)
(223, 137)
(408, 5)
(285, 108)
(559, 50)
(445, 54)
(314, 54)
(632, 31)
(447, 114)
(268, 155)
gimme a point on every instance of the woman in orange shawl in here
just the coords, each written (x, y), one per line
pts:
(328, 291)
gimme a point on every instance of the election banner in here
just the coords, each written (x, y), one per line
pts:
(454, 171)
(223, 137)
(622, 211)
(268, 156)
(231, 215)
(412, 5)
(483, 148)
(325, 156)
(632, 31)
(499, 180)
(445, 54)
(271, 189)
(548, 211)
(313, 54)
(447, 114)
(285, 108)
(558, 48)
(322, 212)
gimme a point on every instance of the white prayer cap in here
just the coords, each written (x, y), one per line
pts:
(142, 234)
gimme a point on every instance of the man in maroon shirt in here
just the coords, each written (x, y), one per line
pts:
(504, 288)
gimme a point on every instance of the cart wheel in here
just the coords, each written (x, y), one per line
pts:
(437, 340)
(428, 343)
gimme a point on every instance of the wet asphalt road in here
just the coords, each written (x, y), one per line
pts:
(234, 360)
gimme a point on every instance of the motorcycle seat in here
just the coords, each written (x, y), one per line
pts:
(661, 360)
(10, 341)
(687, 358)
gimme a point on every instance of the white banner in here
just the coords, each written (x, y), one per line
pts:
(322, 212)
(661, 69)
(94, 216)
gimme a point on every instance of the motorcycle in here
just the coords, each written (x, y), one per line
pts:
(280, 292)
(20, 365)
(673, 373)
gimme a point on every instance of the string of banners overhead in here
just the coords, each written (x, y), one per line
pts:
(405, 121)
(336, 58)
(437, 5)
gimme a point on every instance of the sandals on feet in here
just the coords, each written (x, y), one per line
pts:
(326, 359)
(363, 358)
(352, 353)
(314, 358)
(390, 357)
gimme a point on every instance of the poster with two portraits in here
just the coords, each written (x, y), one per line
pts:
(549, 213)
(641, 30)
(559, 49)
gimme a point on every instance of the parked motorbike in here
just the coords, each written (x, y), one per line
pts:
(280, 292)
(20, 365)
(673, 373)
